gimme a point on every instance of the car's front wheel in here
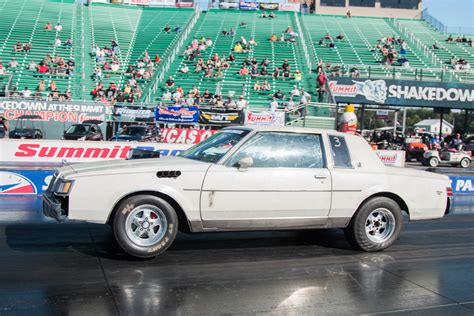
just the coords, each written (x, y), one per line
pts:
(376, 225)
(465, 162)
(145, 226)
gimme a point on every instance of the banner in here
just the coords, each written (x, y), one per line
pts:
(24, 182)
(268, 6)
(70, 112)
(184, 4)
(248, 5)
(221, 116)
(133, 113)
(265, 118)
(136, 2)
(185, 135)
(392, 157)
(403, 92)
(58, 152)
(294, 7)
(177, 114)
(462, 184)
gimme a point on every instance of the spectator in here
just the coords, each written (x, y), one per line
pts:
(295, 92)
(252, 42)
(340, 37)
(264, 71)
(18, 47)
(41, 86)
(42, 68)
(177, 95)
(68, 43)
(58, 27)
(232, 32)
(290, 105)
(321, 79)
(272, 15)
(273, 38)
(177, 29)
(455, 142)
(57, 42)
(238, 48)
(298, 75)
(53, 86)
(279, 95)
(257, 86)
(132, 82)
(276, 73)
(243, 24)
(241, 104)
(13, 64)
(208, 42)
(166, 96)
(273, 105)
(170, 82)
(26, 93)
(266, 86)
(225, 32)
(190, 100)
(184, 69)
(48, 27)
(167, 28)
(27, 47)
(3, 71)
(207, 95)
(115, 67)
(254, 71)
(98, 74)
(32, 66)
(243, 71)
(264, 14)
(349, 14)
(435, 45)
(304, 100)
(157, 58)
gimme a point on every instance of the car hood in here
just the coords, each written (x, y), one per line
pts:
(124, 166)
(410, 172)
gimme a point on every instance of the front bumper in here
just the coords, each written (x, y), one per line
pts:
(55, 207)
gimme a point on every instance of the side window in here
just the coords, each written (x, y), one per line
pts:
(340, 152)
(281, 150)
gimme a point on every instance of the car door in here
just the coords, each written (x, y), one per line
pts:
(288, 184)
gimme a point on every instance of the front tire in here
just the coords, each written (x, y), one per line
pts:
(433, 162)
(145, 225)
(376, 225)
(465, 163)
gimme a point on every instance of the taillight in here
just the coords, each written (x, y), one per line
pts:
(449, 191)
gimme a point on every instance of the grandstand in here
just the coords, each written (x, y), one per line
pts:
(140, 29)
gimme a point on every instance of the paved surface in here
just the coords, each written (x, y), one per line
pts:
(49, 268)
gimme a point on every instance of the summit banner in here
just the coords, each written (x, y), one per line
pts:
(403, 93)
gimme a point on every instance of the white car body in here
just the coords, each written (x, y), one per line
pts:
(216, 197)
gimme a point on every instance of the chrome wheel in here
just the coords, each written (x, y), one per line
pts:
(380, 225)
(146, 225)
(465, 163)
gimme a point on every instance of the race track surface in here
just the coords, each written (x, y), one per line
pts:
(77, 269)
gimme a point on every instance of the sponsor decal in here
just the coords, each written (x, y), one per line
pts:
(133, 113)
(392, 157)
(185, 136)
(295, 7)
(184, 4)
(264, 118)
(403, 92)
(248, 5)
(14, 183)
(177, 114)
(462, 184)
(221, 116)
(268, 6)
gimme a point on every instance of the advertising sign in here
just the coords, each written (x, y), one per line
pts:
(462, 184)
(294, 7)
(265, 118)
(185, 135)
(184, 4)
(50, 151)
(392, 157)
(403, 92)
(221, 116)
(24, 182)
(268, 6)
(248, 5)
(52, 111)
(133, 113)
(177, 114)
(137, 2)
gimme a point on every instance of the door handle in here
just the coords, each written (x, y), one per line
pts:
(320, 177)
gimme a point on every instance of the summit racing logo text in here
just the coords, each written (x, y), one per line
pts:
(372, 90)
(37, 150)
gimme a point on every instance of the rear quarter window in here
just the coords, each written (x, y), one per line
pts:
(340, 151)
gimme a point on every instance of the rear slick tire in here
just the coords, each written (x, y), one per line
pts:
(376, 225)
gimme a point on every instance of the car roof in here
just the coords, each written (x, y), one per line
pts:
(291, 129)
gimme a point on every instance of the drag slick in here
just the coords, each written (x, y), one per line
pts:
(250, 178)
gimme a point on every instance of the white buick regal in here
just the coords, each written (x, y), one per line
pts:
(250, 178)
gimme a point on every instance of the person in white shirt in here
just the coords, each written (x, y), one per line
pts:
(115, 67)
(291, 104)
(295, 92)
(273, 105)
(57, 42)
(189, 100)
(166, 96)
(208, 42)
(241, 104)
(177, 96)
(13, 63)
(32, 65)
(26, 93)
(184, 69)
(58, 27)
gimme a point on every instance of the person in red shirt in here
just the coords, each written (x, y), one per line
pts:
(321, 80)
(157, 58)
(43, 68)
(243, 71)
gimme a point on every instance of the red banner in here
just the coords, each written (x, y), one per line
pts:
(185, 135)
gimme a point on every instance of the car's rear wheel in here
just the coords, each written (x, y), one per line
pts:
(145, 226)
(465, 162)
(376, 225)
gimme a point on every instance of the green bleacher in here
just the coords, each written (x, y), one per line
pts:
(24, 21)
(135, 30)
(210, 25)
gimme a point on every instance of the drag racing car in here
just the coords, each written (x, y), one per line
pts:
(249, 178)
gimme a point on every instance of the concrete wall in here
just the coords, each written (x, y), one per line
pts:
(377, 11)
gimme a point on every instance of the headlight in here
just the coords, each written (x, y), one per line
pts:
(63, 187)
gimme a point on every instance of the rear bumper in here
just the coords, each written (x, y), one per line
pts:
(54, 207)
(448, 206)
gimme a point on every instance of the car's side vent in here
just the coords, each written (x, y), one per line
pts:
(168, 174)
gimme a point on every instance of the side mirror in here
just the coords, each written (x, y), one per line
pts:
(245, 163)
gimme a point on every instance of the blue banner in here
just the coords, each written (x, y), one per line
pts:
(177, 114)
(462, 184)
(24, 182)
(249, 5)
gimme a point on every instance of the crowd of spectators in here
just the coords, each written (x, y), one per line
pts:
(108, 63)
(459, 64)
(460, 39)
(328, 41)
(393, 50)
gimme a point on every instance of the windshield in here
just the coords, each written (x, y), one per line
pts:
(133, 131)
(216, 146)
(78, 129)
